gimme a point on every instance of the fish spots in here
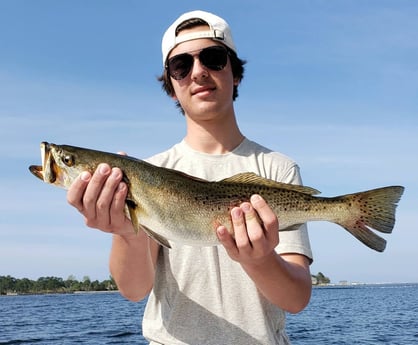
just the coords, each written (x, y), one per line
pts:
(204, 200)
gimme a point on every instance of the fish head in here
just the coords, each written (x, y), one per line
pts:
(62, 164)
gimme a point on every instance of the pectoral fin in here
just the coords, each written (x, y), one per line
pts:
(132, 206)
(133, 214)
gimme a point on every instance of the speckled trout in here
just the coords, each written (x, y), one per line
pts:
(172, 206)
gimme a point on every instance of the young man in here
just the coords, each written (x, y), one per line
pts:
(233, 293)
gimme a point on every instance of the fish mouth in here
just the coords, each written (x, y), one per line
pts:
(37, 170)
(46, 172)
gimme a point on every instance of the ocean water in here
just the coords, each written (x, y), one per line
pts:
(366, 314)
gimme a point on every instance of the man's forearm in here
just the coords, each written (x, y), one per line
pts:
(132, 265)
(284, 281)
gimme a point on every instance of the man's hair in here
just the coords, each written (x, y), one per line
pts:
(237, 65)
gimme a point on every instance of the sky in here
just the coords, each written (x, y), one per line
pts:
(332, 84)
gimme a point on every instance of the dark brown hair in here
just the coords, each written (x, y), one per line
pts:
(237, 65)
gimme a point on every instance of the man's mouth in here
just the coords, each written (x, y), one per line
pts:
(203, 90)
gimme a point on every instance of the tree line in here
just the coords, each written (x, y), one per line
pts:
(320, 279)
(11, 285)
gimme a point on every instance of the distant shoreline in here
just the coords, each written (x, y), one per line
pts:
(11, 294)
(53, 285)
(354, 285)
(319, 286)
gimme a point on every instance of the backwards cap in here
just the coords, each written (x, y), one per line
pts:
(218, 30)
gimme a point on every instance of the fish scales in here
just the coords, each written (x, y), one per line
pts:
(172, 206)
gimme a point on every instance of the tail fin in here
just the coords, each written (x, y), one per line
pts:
(375, 209)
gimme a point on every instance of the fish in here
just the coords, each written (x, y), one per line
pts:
(171, 206)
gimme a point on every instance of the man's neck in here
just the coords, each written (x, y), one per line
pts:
(217, 137)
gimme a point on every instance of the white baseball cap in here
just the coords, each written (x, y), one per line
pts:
(218, 30)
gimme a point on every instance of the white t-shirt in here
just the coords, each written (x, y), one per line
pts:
(201, 296)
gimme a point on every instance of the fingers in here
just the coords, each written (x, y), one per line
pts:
(227, 241)
(117, 214)
(240, 245)
(76, 191)
(248, 228)
(255, 231)
(267, 216)
(92, 205)
(100, 197)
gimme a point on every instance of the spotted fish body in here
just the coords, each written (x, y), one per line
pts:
(172, 206)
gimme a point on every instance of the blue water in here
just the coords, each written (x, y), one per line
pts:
(100, 318)
(378, 314)
(374, 314)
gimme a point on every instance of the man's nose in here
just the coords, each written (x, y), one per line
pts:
(198, 69)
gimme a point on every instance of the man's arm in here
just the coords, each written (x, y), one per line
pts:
(132, 264)
(284, 280)
(100, 198)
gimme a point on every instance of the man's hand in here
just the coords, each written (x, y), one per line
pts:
(100, 198)
(256, 232)
(283, 279)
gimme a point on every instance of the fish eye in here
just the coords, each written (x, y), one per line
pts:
(68, 160)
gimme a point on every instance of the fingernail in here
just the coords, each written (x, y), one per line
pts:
(104, 169)
(246, 207)
(121, 187)
(255, 198)
(115, 173)
(236, 213)
(85, 176)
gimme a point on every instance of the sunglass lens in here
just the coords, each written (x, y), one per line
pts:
(179, 66)
(214, 58)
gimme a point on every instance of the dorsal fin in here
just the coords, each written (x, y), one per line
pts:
(255, 179)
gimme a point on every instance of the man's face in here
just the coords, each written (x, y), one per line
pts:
(203, 92)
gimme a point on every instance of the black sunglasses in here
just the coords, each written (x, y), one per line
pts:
(214, 58)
